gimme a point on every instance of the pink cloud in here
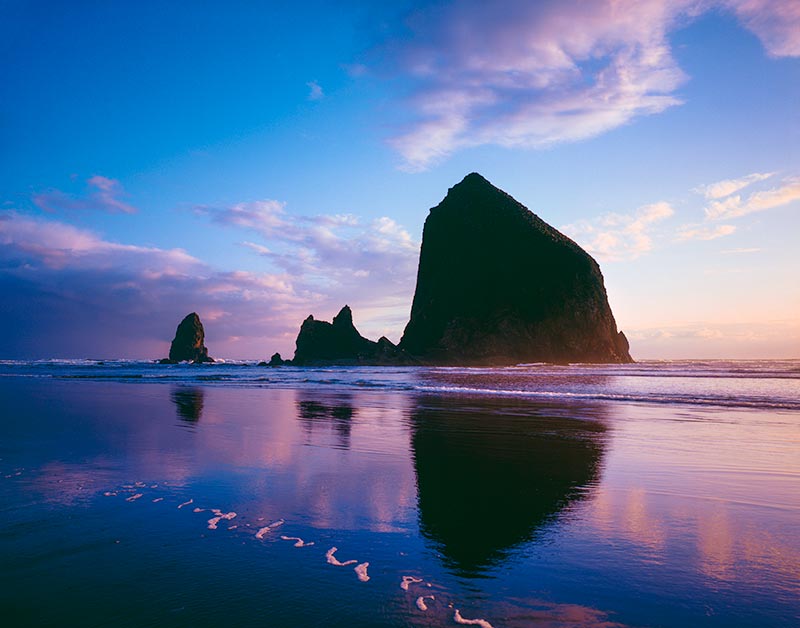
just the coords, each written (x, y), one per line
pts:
(69, 292)
(533, 74)
(775, 22)
(103, 194)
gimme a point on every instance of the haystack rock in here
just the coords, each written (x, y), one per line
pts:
(498, 285)
(188, 344)
(339, 342)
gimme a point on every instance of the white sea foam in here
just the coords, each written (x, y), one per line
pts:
(361, 572)
(421, 602)
(196, 509)
(471, 622)
(300, 542)
(329, 555)
(191, 501)
(110, 493)
(409, 580)
(212, 523)
(158, 499)
(140, 485)
(262, 532)
(133, 498)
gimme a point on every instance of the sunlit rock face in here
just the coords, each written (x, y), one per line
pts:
(339, 342)
(189, 342)
(497, 285)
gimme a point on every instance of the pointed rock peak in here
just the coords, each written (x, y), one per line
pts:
(344, 317)
(189, 342)
(471, 184)
(474, 178)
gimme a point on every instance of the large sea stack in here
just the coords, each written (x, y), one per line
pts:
(339, 342)
(188, 344)
(498, 285)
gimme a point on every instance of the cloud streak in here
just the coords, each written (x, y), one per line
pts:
(341, 255)
(315, 91)
(736, 205)
(103, 194)
(69, 292)
(532, 74)
(701, 232)
(619, 237)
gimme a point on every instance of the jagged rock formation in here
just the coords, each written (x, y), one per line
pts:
(276, 360)
(188, 344)
(339, 342)
(498, 285)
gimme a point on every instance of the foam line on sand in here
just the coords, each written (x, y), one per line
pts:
(361, 572)
(262, 532)
(471, 622)
(332, 560)
(407, 580)
(300, 542)
(421, 602)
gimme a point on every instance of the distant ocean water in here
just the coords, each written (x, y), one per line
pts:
(769, 384)
(654, 494)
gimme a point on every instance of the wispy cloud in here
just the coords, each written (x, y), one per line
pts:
(742, 340)
(117, 299)
(103, 194)
(721, 189)
(735, 206)
(741, 251)
(775, 22)
(704, 232)
(618, 237)
(533, 74)
(340, 255)
(315, 91)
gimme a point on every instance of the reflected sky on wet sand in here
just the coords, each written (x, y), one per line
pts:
(515, 511)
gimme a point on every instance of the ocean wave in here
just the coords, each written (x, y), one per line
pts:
(759, 384)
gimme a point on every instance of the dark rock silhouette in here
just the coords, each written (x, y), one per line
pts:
(493, 474)
(188, 403)
(339, 342)
(498, 285)
(188, 344)
(334, 411)
(276, 360)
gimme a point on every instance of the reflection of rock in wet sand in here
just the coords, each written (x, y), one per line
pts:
(336, 411)
(188, 402)
(490, 473)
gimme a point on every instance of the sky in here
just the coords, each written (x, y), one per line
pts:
(258, 162)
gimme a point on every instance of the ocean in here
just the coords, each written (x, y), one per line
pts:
(661, 493)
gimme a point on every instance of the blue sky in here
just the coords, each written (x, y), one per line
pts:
(259, 162)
